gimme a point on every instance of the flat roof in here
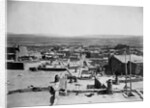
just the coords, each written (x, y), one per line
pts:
(126, 58)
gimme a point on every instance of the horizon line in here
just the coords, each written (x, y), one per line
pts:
(76, 36)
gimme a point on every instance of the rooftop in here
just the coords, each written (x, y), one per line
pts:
(126, 58)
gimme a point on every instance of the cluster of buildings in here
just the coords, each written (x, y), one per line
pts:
(103, 59)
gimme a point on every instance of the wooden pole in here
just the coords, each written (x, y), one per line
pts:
(125, 73)
(130, 73)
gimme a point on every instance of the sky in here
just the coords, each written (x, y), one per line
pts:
(73, 19)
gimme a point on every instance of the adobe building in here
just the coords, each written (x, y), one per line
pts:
(11, 53)
(118, 63)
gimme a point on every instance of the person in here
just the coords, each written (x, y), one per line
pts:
(52, 92)
(56, 78)
(109, 86)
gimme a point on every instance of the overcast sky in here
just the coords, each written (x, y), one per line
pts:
(73, 19)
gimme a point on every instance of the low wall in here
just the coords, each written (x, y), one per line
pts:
(15, 65)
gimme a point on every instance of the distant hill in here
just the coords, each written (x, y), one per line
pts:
(30, 39)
